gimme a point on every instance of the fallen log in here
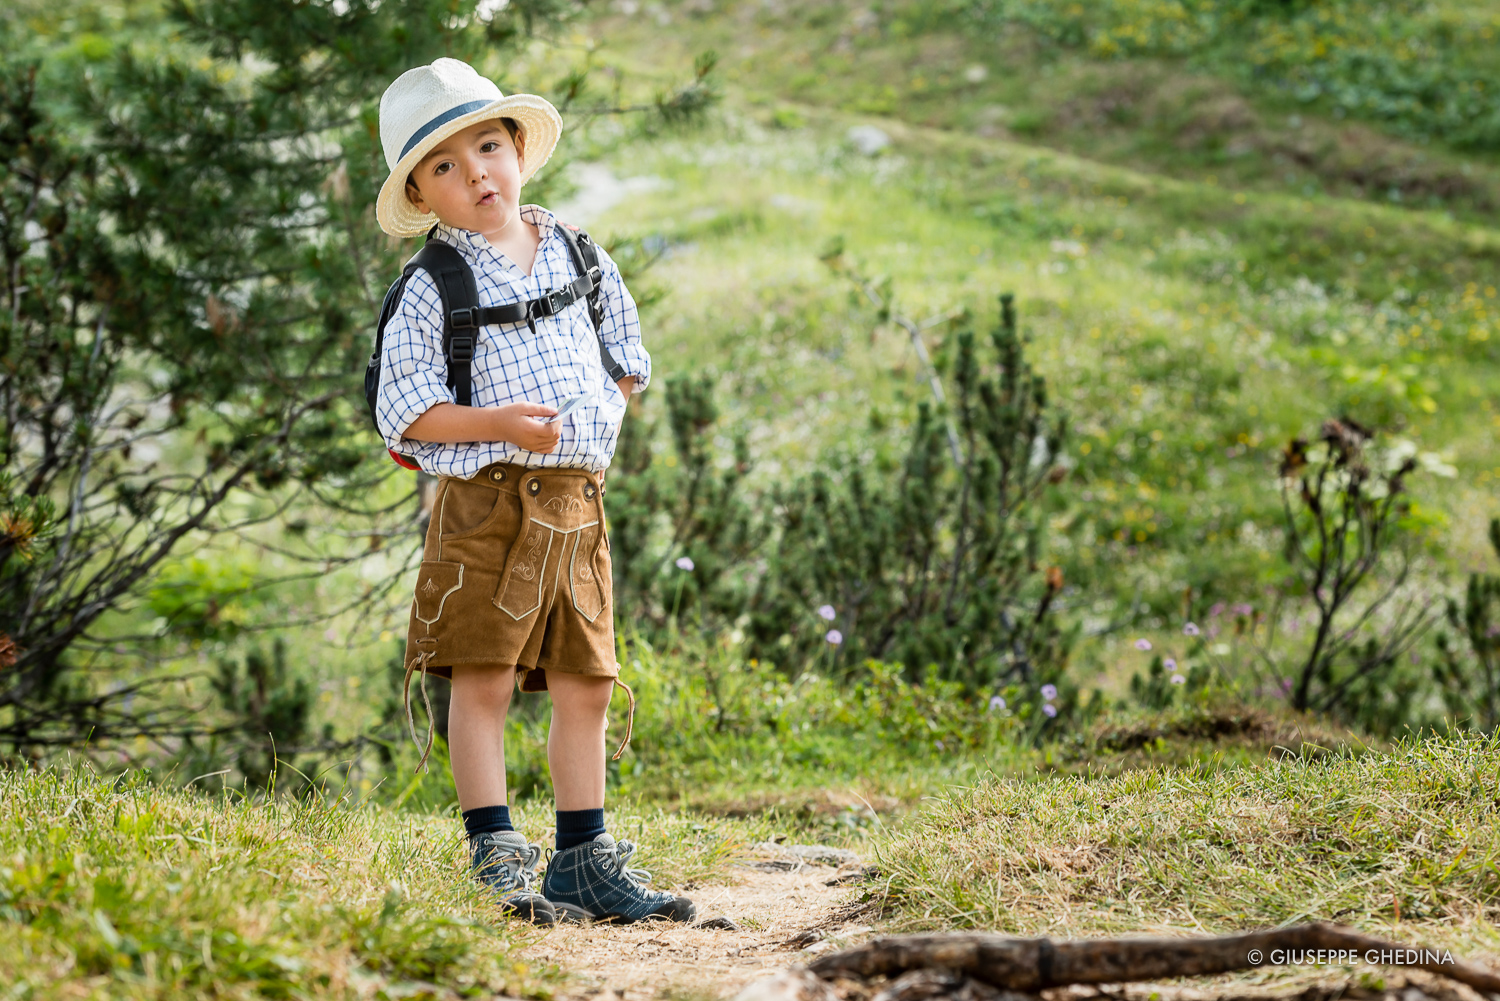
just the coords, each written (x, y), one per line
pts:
(1032, 964)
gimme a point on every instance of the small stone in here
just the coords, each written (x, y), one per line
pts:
(720, 923)
(788, 985)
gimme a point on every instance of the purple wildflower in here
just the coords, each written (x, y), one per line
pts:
(1242, 608)
(1170, 663)
(1191, 629)
(835, 637)
(1143, 644)
(826, 613)
(1049, 709)
(684, 563)
(996, 703)
(1216, 611)
(1178, 679)
(1049, 692)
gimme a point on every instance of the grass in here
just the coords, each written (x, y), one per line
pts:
(120, 886)
(1018, 70)
(1401, 844)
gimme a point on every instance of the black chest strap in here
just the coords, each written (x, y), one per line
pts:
(551, 304)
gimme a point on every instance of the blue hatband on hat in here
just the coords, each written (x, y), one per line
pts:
(439, 122)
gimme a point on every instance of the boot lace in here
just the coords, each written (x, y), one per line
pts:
(519, 864)
(619, 854)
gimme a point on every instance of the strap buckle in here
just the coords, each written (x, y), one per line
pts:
(464, 319)
(461, 348)
(550, 304)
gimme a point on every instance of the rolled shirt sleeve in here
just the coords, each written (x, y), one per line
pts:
(621, 330)
(413, 371)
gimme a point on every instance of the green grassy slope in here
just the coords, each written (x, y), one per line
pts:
(1190, 320)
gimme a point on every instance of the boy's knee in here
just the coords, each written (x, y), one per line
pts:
(579, 693)
(487, 687)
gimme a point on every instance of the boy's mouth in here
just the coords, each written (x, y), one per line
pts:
(489, 198)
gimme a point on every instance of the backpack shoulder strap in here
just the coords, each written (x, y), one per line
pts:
(586, 261)
(460, 294)
(372, 368)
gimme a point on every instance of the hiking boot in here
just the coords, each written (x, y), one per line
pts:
(504, 862)
(594, 880)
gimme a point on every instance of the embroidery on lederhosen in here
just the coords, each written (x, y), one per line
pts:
(523, 581)
(527, 569)
(584, 586)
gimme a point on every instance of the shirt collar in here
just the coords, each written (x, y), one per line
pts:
(472, 244)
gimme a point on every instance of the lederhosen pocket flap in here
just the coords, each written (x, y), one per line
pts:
(435, 582)
(583, 572)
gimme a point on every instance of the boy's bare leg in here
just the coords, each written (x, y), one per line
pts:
(575, 744)
(476, 733)
(587, 876)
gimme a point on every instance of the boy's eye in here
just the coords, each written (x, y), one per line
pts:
(442, 168)
(489, 147)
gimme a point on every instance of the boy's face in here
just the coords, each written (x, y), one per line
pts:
(471, 180)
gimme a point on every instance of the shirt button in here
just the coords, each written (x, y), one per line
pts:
(498, 475)
(534, 487)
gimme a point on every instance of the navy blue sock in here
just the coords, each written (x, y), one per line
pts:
(578, 827)
(487, 820)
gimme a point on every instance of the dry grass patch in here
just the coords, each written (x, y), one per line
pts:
(1402, 844)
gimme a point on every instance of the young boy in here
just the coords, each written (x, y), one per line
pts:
(515, 582)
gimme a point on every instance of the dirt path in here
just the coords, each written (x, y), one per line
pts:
(782, 903)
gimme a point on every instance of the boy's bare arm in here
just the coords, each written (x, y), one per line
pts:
(515, 422)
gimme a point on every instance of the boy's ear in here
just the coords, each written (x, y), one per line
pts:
(415, 196)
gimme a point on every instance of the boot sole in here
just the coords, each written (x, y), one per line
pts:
(572, 912)
(531, 912)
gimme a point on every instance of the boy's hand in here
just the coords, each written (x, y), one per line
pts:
(517, 423)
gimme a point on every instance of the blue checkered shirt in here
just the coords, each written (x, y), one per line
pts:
(511, 363)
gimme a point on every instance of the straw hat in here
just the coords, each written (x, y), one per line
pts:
(430, 103)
